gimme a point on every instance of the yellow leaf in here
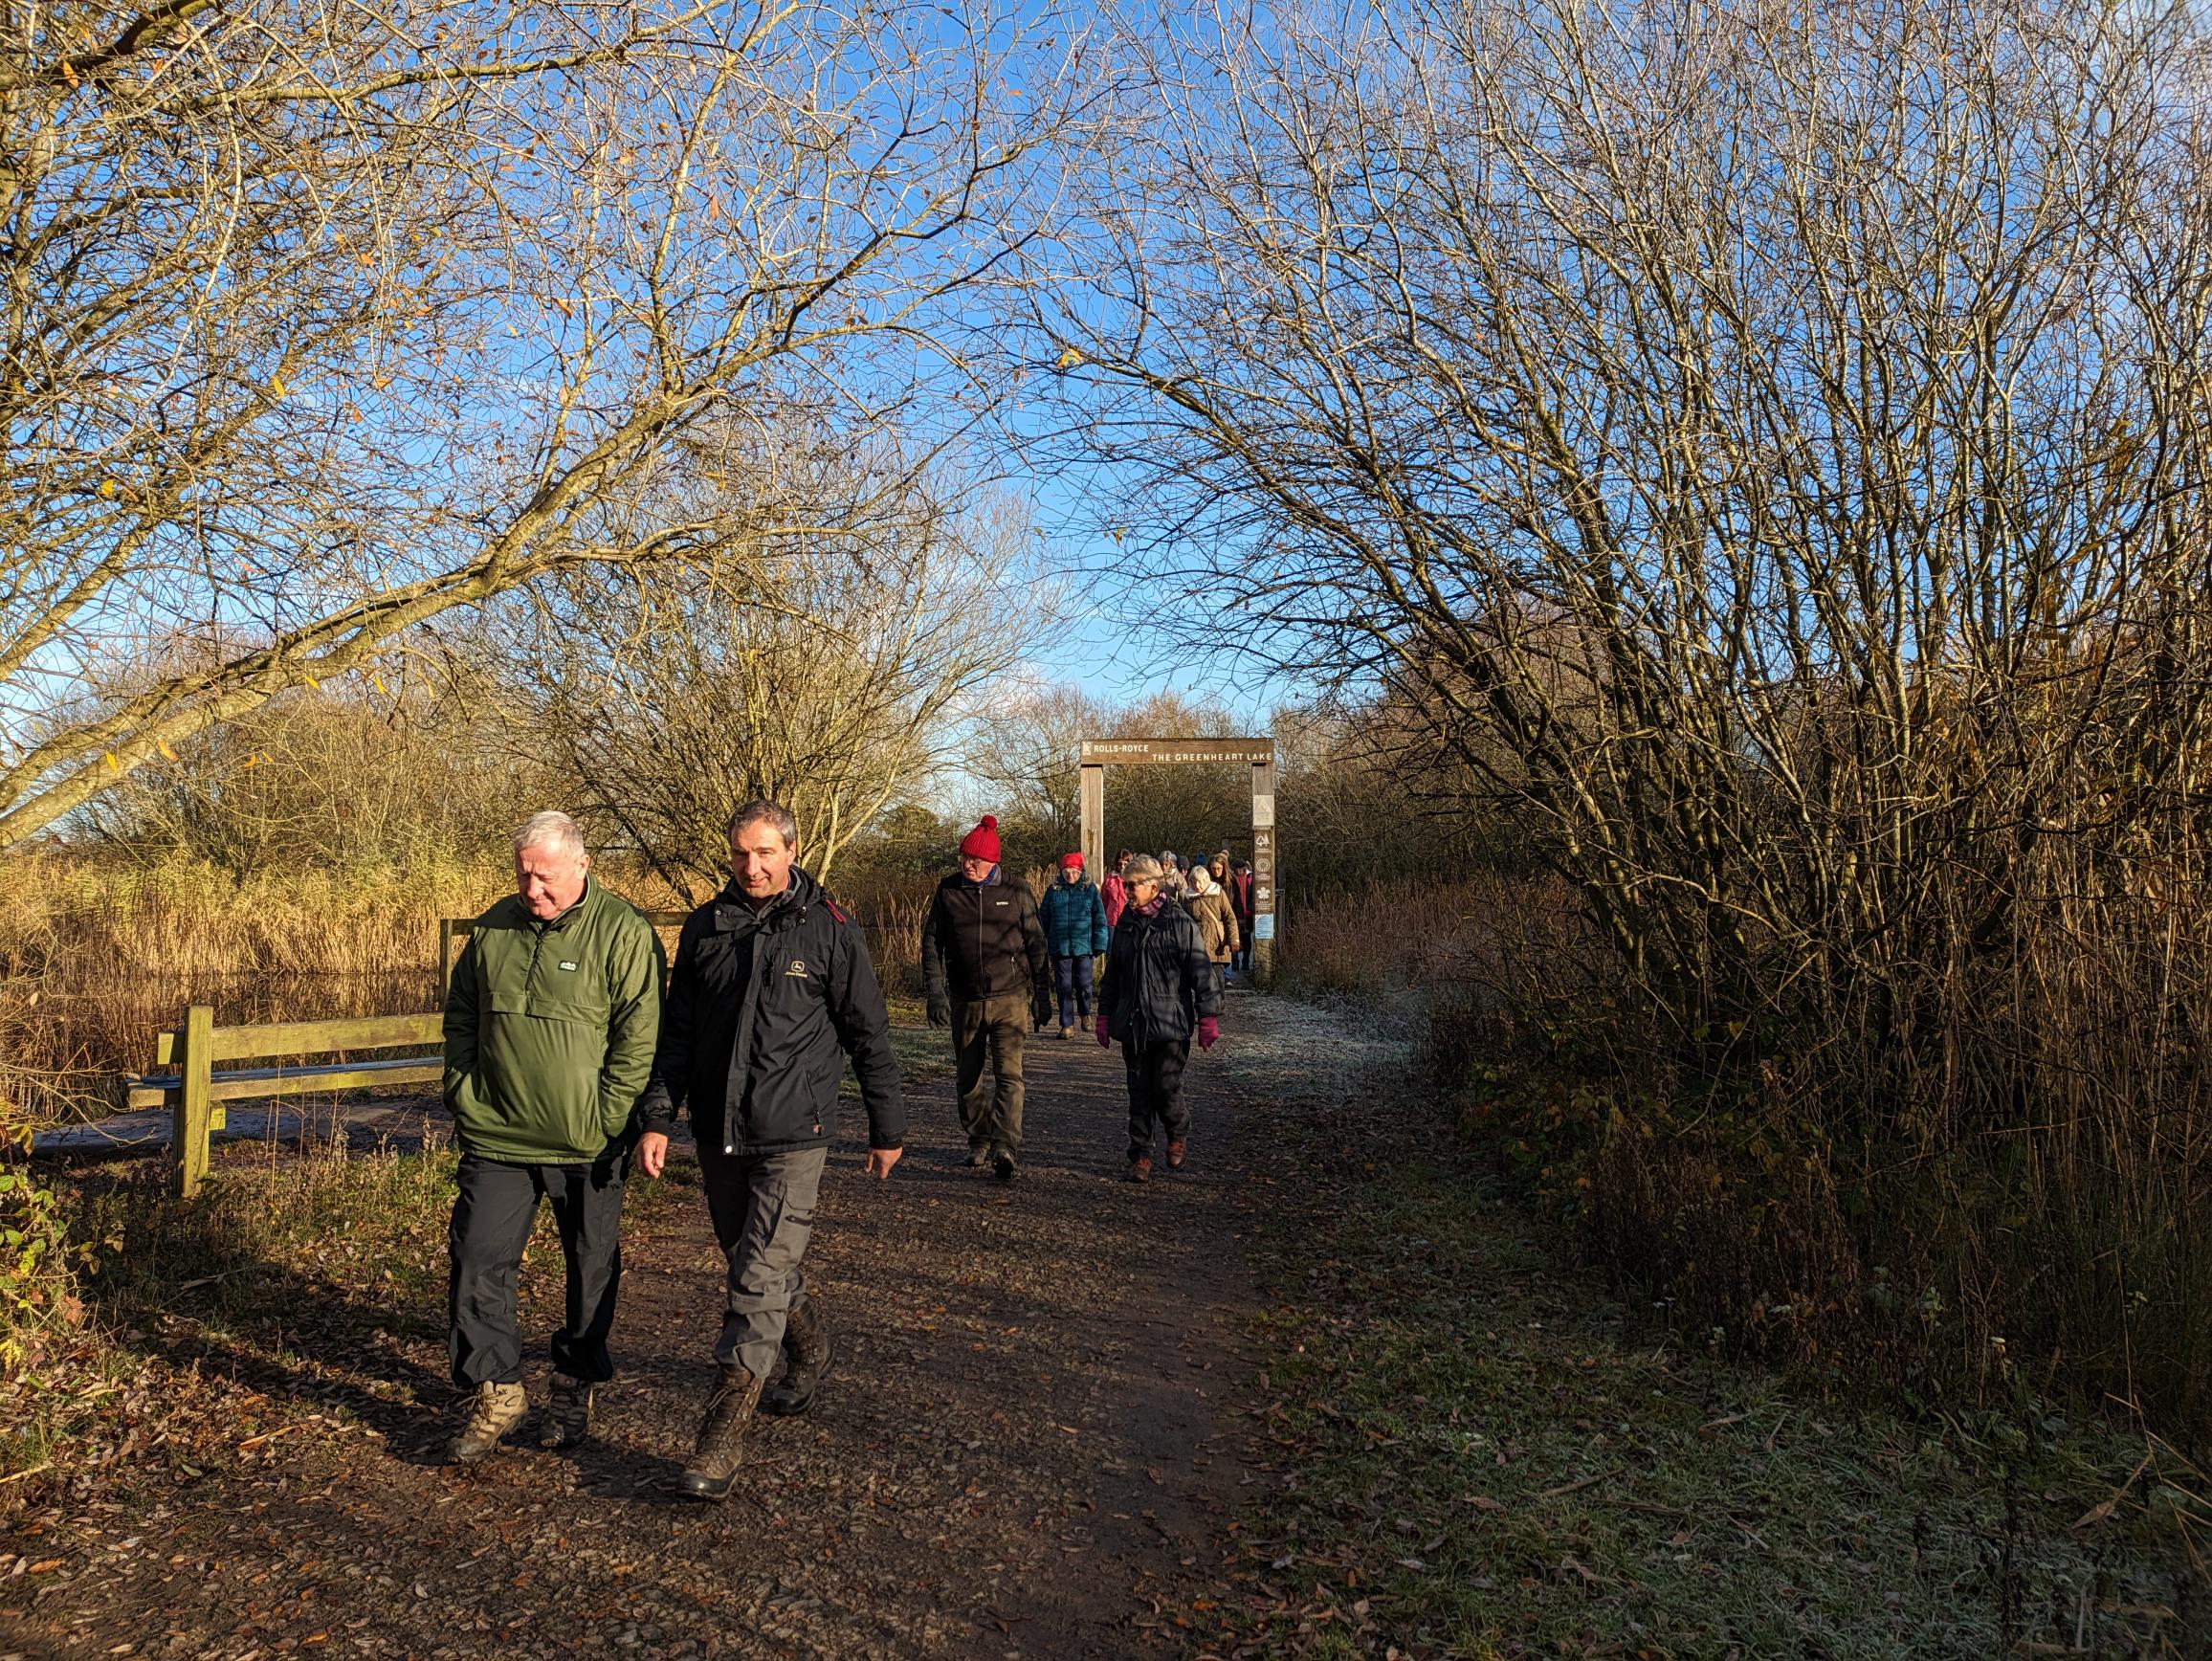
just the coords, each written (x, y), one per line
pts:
(379, 680)
(113, 763)
(108, 487)
(163, 746)
(312, 681)
(1070, 358)
(277, 386)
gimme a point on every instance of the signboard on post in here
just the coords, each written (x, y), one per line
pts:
(1096, 755)
(1171, 752)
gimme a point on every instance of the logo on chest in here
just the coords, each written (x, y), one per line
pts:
(566, 963)
(798, 968)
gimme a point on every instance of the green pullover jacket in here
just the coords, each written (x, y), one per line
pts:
(550, 1030)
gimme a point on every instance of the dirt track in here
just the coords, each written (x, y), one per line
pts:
(1028, 1445)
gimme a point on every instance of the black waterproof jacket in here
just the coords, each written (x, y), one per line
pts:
(983, 941)
(1159, 981)
(763, 1008)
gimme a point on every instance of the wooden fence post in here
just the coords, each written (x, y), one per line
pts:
(189, 1118)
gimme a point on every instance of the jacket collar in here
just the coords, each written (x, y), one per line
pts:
(550, 923)
(734, 911)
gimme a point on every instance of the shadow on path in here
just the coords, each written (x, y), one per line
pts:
(1025, 1447)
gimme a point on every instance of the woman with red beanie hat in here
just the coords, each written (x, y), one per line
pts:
(987, 975)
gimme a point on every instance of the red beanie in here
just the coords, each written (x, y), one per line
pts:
(983, 842)
(1074, 859)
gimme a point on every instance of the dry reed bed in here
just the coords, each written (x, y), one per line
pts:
(96, 955)
(2006, 1189)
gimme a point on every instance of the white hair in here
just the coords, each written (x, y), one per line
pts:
(550, 830)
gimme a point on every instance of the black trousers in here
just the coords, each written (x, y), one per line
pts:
(493, 1214)
(1156, 1091)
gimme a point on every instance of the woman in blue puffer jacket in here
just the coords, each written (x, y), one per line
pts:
(1075, 933)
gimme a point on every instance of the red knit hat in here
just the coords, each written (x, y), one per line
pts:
(1074, 859)
(983, 842)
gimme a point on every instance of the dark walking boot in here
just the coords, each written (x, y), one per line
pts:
(805, 1362)
(716, 1454)
(1002, 1163)
(568, 1420)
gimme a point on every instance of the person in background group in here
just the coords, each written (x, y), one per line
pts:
(987, 976)
(1113, 892)
(1209, 908)
(549, 1031)
(1171, 883)
(772, 981)
(1240, 902)
(1074, 917)
(1160, 994)
(1224, 876)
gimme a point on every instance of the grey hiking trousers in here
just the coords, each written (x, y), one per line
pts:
(762, 1207)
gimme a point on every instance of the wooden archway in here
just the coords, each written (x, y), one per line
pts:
(1099, 754)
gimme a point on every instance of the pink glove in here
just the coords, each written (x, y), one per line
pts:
(1105, 1038)
(1208, 1031)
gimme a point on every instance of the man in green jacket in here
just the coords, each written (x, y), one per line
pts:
(550, 1026)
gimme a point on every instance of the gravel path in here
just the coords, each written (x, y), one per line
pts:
(1030, 1445)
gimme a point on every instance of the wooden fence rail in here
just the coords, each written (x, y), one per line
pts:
(195, 1090)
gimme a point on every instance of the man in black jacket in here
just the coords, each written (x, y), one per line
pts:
(772, 981)
(1160, 992)
(988, 977)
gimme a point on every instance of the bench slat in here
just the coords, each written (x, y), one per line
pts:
(252, 1083)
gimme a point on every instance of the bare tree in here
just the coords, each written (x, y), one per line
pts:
(1750, 423)
(821, 672)
(1769, 445)
(321, 320)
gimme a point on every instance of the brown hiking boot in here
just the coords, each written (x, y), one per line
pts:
(978, 1156)
(568, 1419)
(1084, 1022)
(1175, 1150)
(805, 1362)
(494, 1410)
(716, 1454)
(1066, 1032)
(1141, 1170)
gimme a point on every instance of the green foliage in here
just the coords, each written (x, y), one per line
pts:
(39, 1261)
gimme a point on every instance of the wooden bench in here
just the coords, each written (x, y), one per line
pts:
(195, 1091)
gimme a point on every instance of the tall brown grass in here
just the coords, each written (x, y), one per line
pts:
(98, 954)
(2016, 1190)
